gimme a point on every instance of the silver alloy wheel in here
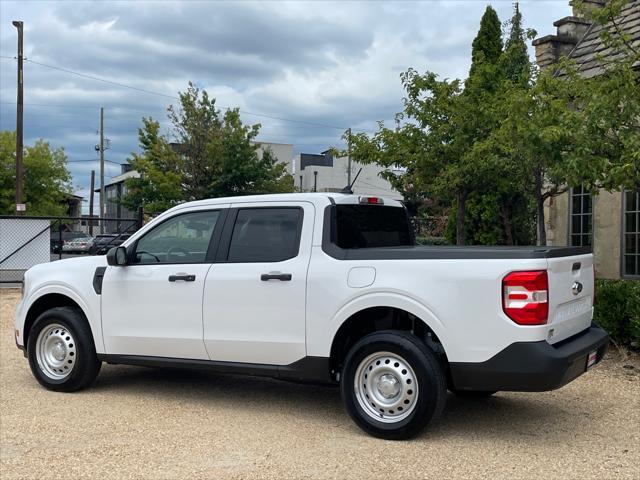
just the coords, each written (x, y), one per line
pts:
(386, 387)
(56, 351)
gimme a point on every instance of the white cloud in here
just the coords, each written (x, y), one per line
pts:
(335, 63)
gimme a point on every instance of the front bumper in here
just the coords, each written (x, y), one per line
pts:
(532, 366)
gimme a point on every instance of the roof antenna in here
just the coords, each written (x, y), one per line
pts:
(348, 188)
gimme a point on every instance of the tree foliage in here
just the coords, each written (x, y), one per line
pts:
(159, 186)
(487, 45)
(496, 150)
(212, 154)
(499, 213)
(46, 180)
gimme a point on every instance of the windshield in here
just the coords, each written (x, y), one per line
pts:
(367, 226)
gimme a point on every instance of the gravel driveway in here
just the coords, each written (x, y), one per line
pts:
(150, 423)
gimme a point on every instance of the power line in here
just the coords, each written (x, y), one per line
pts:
(53, 105)
(94, 160)
(103, 80)
(151, 92)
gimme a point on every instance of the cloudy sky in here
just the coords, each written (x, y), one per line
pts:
(305, 70)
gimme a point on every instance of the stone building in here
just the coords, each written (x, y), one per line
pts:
(608, 222)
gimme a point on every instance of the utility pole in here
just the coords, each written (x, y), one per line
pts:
(315, 181)
(349, 156)
(20, 206)
(93, 186)
(102, 199)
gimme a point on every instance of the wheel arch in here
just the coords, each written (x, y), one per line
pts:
(394, 313)
(51, 299)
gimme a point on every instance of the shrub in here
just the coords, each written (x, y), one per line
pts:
(617, 309)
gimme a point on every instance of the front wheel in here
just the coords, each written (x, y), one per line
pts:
(392, 385)
(61, 352)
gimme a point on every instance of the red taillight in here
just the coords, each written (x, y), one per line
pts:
(371, 200)
(525, 297)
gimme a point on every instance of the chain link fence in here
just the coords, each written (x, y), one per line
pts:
(28, 241)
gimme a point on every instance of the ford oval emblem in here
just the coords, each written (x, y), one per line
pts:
(576, 288)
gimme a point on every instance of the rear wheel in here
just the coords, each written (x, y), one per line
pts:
(392, 385)
(61, 352)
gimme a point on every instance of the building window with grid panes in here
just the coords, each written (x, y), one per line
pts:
(631, 236)
(580, 226)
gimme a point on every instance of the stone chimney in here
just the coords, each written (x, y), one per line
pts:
(586, 5)
(569, 31)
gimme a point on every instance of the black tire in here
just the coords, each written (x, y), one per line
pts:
(430, 381)
(473, 393)
(85, 366)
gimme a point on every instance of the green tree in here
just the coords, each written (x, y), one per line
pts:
(212, 155)
(438, 138)
(607, 153)
(514, 62)
(501, 212)
(46, 181)
(477, 120)
(159, 186)
(535, 135)
(487, 45)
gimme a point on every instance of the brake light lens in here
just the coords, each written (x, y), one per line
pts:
(371, 200)
(525, 297)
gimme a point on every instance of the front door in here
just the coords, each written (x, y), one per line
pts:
(153, 306)
(254, 296)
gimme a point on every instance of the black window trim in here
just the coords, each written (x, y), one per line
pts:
(623, 233)
(222, 255)
(214, 243)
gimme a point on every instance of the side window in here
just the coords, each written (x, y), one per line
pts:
(265, 235)
(631, 238)
(181, 239)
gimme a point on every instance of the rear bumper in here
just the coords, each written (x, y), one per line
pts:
(532, 366)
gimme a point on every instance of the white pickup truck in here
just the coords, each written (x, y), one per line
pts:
(317, 288)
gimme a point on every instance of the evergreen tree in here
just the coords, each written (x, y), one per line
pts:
(469, 213)
(515, 64)
(487, 46)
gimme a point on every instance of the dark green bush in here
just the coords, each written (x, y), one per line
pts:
(617, 309)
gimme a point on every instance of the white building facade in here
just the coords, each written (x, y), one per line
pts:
(325, 173)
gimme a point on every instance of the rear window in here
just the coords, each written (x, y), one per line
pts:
(367, 226)
(265, 235)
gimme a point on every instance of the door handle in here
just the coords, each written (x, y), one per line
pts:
(183, 277)
(283, 277)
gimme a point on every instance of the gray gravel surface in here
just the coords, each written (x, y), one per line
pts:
(144, 423)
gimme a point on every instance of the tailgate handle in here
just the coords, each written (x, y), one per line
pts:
(576, 266)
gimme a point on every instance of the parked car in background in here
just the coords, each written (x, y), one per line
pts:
(103, 242)
(59, 239)
(78, 245)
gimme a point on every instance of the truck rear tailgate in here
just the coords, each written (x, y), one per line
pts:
(571, 284)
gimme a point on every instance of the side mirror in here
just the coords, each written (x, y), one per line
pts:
(117, 256)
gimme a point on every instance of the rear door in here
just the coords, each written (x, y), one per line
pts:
(571, 282)
(255, 293)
